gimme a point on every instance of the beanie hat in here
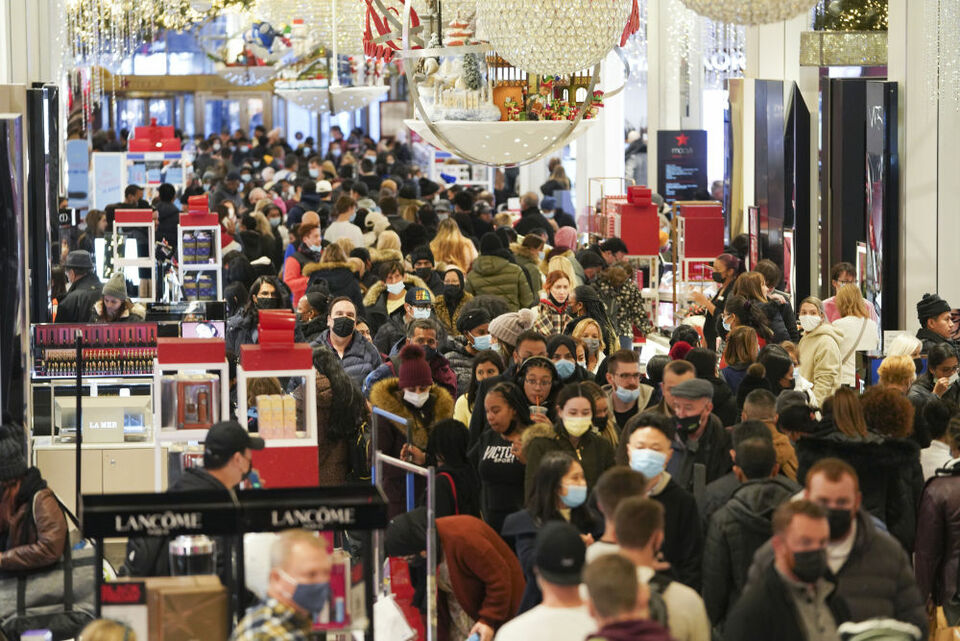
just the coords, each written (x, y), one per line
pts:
(472, 319)
(116, 287)
(13, 464)
(589, 258)
(490, 243)
(414, 370)
(422, 253)
(931, 306)
(680, 350)
(549, 203)
(565, 238)
(507, 327)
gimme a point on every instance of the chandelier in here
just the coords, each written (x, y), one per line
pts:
(749, 12)
(552, 37)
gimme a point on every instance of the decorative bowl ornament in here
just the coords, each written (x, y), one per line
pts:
(749, 12)
(553, 37)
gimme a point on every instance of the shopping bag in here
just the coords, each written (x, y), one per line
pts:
(940, 630)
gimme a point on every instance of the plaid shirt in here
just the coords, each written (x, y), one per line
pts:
(272, 621)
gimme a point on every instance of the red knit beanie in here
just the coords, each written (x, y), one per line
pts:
(414, 370)
(679, 350)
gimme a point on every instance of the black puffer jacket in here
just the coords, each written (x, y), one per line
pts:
(735, 533)
(75, 307)
(724, 402)
(891, 478)
(876, 580)
(339, 278)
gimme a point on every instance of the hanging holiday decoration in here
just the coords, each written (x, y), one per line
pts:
(554, 36)
(846, 33)
(749, 12)
(941, 20)
(723, 49)
(312, 21)
(850, 15)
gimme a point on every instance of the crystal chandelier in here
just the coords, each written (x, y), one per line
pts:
(749, 12)
(552, 36)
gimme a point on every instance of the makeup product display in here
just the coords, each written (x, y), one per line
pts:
(190, 401)
(109, 350)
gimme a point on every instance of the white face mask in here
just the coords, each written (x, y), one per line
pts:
(953, 378)
(810, 323)
(415, 399)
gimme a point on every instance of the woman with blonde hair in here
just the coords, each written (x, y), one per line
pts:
(898, 372)
(452, 247)
(107, 630)
(588, 330)
(386, 251)
(819, 348)
(859, 331)
(558, 181)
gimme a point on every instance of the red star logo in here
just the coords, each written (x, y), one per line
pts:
(682, 139)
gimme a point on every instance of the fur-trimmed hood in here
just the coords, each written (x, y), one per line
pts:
(377, 289)
(310, 268)
(383, 255)
(135, 313)
(525, 252)
(535, 431)
(387, 395)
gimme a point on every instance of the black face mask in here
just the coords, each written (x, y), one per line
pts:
(268, 302)
(689, 425)
(839, 520)
(424, 273)
(717, 277)
(791, 384)
(343, 326)
(810, 565)
(600, 422)
(452, 292)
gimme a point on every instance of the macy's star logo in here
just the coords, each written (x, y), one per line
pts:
(682, 139)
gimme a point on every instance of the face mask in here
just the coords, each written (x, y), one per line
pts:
(268, 302)
(582, 364)
(599, 422)
(953, 378)
(726, 326)
(274, 222)
(810, 323)
(565, 368)
(415, 399)
(335, 152)
(315, 248)
(810, 565)
(424, 273)
(688, 425)
(246, 177)
(216, 146)
(577, 426)
(495, 347)
(839, 521)
(314, 173)
(627, 395)
(542, 255)
(443, 216)
(575, 496)
(650, 463)
(717, 277)
(452, 291)
(421, 312)
(312, 597)
(343, 326)
(592, 345)
(244, 148)
(548, 215)
(481, 343)
(395, 288)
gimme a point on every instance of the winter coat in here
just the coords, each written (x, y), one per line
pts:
(767, 611)
(921, 391)
(683, 534)
(499, 277)
(875, 581)
(310, 331)
(774, 318)
(733, 375)
(929, 339)
(735, 532)
(485, 575)
(593, 451)
(851, 327)
(134, 314)
(529, 260)
(334, 453)
(633, 630)
(724, 402)
(617, 287)
(937, 555)
(713, 452)
(75, 306)
(241, 329)
(391, 437)
(36, 531)
(359, 360)
(820, 359)
(531, 219)
(787, 314)
(461, 361)
(339, 277)
(444, 315)
(294, 277)
(891, 479)
(375, 307)
(551, 319)
(443, 374)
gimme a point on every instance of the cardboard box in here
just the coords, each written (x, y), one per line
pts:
(187, 608)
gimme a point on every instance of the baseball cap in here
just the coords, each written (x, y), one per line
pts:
(419, 296)
(233, 175)
(560, 553)
(228, 437)
(324, 187)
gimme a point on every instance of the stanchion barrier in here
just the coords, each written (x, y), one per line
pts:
(380, 412)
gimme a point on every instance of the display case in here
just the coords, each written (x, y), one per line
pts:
(110, 350)
(200, 254)
(191, 383)
(295, 361)
(139, 225)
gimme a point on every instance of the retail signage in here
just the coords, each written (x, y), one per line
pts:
(108, 178)
(681, 164)
(78, 174)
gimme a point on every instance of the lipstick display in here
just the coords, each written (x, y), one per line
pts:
(109, 349)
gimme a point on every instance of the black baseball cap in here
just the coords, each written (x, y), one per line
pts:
(560, 553)
(228, 437)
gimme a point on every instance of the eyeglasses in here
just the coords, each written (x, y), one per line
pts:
(543, 382)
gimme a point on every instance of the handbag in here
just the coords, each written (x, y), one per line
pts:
(59, 598)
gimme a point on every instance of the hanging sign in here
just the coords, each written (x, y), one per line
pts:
(681, 164)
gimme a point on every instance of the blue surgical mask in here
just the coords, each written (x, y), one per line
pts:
(421, 312)
(495, 347)
(650, 463)
(576, 495)
(627, 395)
(314, 173)
(726, 326)
(548, 215)
(312, 597)
(353, 216)
(542, 255)
(481, 343)
(396, 288)
(315, 248)
(565, 368)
